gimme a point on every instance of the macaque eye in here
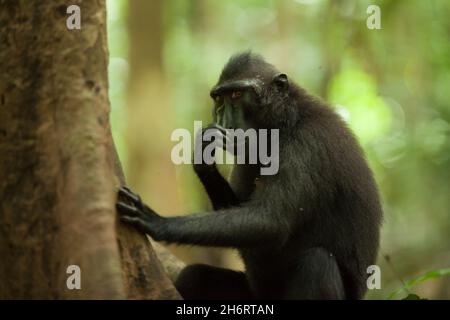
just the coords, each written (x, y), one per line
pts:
(217, 98)
(236, 94)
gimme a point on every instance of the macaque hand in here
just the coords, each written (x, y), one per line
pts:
(210, 134)
(135, 213)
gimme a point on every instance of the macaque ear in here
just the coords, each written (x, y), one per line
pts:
(281, 81)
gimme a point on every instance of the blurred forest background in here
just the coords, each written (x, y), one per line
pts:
(391, 85)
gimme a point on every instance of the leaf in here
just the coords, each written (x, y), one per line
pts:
(422, 278)
(413, 296)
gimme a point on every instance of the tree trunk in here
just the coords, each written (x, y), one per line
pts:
(58, 186)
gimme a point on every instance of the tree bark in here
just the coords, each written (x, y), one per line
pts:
(145, 277)
(58, 163)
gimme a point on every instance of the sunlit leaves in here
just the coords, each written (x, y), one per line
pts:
(355, 92)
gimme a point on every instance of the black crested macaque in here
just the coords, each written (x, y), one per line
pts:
(308, 232)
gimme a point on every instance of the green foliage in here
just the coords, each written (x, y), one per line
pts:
(355, 95)
(118, 70)
(412, 296)
(417, 280)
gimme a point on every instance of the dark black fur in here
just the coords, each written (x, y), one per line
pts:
(308, 232)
